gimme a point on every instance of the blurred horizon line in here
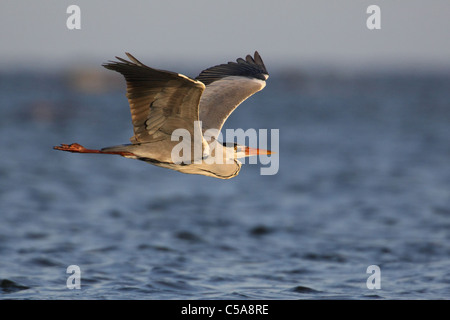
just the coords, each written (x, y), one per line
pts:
(169, 63)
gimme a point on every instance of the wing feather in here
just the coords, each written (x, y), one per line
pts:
(227, 86)
(160, 101)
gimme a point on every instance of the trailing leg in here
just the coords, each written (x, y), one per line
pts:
(77, 148)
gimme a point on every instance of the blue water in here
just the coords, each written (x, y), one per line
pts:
(364, 180)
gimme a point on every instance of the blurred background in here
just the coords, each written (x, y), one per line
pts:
(364, 120)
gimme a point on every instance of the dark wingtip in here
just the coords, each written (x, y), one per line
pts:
(133, 59)
(250, 59)
(258, 60)
(113, 64)
(250, 67)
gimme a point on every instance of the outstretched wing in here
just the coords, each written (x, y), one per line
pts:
(227, 86)
(160, 101)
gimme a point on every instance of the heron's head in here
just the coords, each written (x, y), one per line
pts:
(240, 151)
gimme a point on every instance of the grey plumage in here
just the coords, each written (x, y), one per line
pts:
(160, 101)
(163, 101)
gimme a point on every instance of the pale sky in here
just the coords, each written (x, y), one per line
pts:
(413, 34)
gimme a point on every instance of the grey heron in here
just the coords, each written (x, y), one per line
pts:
(164, 101)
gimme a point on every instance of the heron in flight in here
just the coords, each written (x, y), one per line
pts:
(163, 101)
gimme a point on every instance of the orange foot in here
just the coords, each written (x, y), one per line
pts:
(75, 147)
(78, 148)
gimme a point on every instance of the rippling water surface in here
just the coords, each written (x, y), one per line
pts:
(364, 180)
